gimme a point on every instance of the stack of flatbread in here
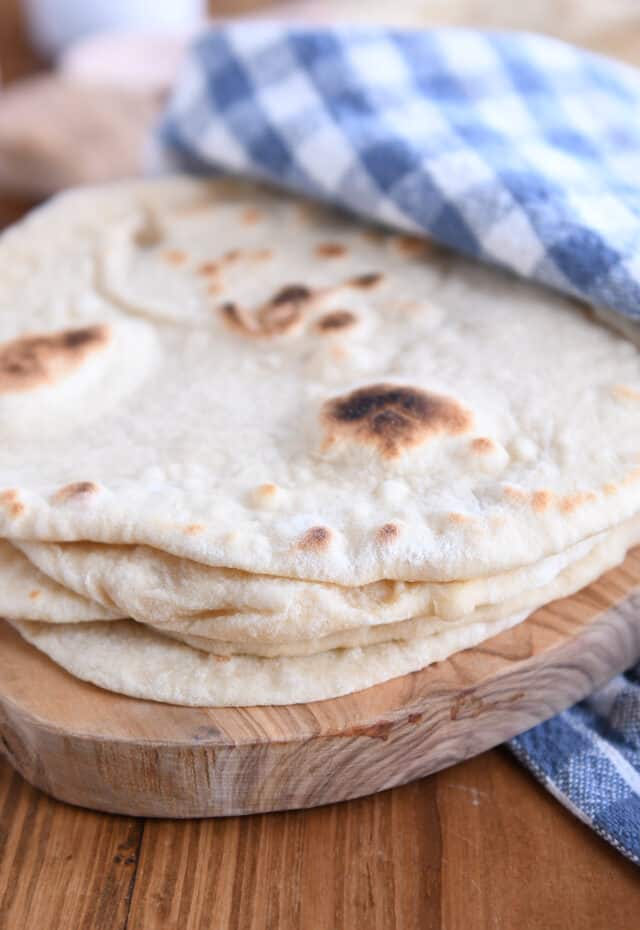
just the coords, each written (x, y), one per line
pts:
(253, 452)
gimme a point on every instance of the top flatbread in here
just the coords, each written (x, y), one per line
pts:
(249, 382)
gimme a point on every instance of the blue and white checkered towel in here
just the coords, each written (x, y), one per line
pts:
(589, 758)
(515, 149)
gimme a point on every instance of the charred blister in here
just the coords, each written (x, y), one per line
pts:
(393, 418)
(32, 361)
(251, 215)
(366, 281)
(279, 315)
(482, 445)
(77, 490)
(387, 533)
(292, 293)
(331, 250)
(11, 503)
(336, 320)
(316, 539)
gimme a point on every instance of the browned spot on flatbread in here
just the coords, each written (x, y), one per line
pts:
(277, 319)
(149, 233)
(32, 361)
(392, 417)
(515, 494)
(265, 495)
(366, 281)
(236, 318)
(251, 215)
(192, 529)
(387, 532)
(230, 258)
(482, 445)
(78, 489)
(336, 320)
(572, 502)
(411, 246)
(10, 500)
(35, 594)
(457, 518)
(175, 257)
(330, 250)
(624, 392)
(292, 293)
(208, 268)
(541, 500)
(318, 537)
(280, 315)
(610, 489)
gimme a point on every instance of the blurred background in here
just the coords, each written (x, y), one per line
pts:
(82, 81)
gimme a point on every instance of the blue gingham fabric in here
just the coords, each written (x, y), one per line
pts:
(512, 148)
(589, 758)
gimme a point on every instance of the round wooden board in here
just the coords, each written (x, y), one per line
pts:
(100, 750)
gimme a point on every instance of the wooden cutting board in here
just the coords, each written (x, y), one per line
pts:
(100, 750)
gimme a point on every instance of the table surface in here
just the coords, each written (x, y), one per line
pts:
(480, 845)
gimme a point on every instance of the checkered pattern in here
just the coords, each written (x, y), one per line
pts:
(589, 758)
(513, 148)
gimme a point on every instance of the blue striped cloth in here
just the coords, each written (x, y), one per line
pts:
(513, 148)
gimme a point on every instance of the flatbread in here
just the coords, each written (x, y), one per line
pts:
(109, 576)
(154, 587)
(604, 556)
(245, 381)
(28, 594)
(129, 658)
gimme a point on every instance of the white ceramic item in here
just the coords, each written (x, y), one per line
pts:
(54, 24)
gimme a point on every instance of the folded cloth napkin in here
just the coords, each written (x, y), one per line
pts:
(512, 148)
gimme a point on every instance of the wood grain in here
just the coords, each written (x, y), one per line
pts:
(479, 846)
(17, 58)
(59, 866)
(100, 750)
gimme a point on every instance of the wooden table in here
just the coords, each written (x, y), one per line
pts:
(480, 845)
